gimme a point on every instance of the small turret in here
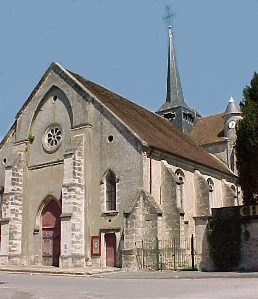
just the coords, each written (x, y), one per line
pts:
(232, 115)
(232, 107)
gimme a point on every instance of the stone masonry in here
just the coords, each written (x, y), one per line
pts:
(73, 197)
(141, 224)
(169, 204)
(12, 211)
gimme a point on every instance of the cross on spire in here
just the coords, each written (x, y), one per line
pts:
(169, 16)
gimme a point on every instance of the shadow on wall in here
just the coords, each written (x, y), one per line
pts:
(120, 251)
(206, 263)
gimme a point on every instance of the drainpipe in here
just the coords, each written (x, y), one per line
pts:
(150, 172)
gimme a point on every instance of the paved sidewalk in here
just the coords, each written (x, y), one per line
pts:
(77, 271)
(117, 273)
(175, 275)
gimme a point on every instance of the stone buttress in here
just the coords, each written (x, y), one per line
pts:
(73, 207)
(141, 223)
(12, 209)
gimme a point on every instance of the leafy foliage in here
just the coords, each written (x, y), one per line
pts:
(224, 238)
(247, 143)
(31, 138)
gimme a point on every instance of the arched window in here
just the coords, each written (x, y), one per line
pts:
(211, 193)
(180, 190)
(235, 191)
(180, 204)
(233, 188)
(211, 184)
(110, 191)
(1, 194)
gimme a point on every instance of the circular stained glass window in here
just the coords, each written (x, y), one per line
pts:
(52, 138)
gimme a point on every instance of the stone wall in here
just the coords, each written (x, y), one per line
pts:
(218, 149)
(140, 224)
(229, 195)
(202, 195)
(249, 245)
(249, 237)
(203, 259)
(73, 201)
(12, 210)
(169, 204)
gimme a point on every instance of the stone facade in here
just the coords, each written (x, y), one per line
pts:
(12, 208)
(60, 153)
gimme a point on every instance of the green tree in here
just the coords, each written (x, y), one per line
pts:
(247, 143)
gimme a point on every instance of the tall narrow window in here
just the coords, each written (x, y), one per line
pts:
(180, 204)
(1, 195)
(211, 195)
(180, 190)
(110, 191)
(235, 191)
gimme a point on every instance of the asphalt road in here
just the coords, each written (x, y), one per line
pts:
(27, 286)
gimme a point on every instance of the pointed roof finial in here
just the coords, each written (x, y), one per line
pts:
(174, 96)
(232, 107)
(169, 16)
(174, 88)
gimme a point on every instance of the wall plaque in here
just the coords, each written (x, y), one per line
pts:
(95, 246)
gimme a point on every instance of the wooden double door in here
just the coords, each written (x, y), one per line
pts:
(51, 234)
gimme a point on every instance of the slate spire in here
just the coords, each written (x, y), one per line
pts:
(174, 96)
(174, 88)
(175, 109)
(232, 107)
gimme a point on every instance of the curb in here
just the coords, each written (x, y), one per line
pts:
(56, 273)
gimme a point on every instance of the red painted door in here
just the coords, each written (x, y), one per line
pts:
(110, 239)
(51, 231)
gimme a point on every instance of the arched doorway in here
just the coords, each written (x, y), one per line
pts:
(51, 232)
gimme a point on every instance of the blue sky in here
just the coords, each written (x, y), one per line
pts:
(122, 44)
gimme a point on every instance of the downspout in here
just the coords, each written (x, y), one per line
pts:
(150, 168)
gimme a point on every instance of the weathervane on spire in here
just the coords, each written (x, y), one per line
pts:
(169, 16)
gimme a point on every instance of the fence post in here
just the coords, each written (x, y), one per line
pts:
(174, 253)
(142, 255)
(192, 250)
(157, 253)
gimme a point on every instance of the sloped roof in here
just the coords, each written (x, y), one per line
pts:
(209, 129)
(156, 131)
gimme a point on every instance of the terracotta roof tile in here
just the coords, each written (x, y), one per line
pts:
(209, 129)
(156, 131)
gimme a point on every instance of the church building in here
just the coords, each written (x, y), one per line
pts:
(86, 175)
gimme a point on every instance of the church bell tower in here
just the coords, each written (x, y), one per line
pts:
(232, 115)
(175, 109)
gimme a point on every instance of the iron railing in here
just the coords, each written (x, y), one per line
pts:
(170, 254)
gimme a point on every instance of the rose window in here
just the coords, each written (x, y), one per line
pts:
(53, 138)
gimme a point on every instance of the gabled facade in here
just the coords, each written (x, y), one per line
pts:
(87, 174)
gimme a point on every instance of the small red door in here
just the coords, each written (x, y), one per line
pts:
(110, 239)
(51, 231)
